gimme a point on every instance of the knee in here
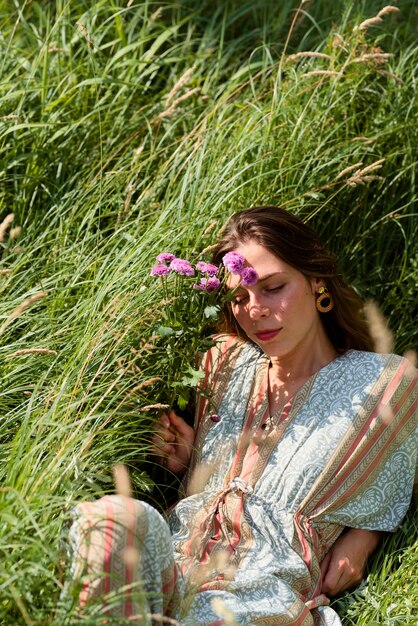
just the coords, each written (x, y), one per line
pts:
(113, 515)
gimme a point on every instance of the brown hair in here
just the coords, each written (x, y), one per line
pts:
(288, 238)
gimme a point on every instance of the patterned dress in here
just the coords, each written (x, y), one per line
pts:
(266, 496)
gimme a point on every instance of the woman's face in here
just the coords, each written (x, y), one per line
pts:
(278, 313)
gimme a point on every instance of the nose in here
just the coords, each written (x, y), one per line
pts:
(258, 310)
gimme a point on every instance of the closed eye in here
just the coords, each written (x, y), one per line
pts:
(239, 299)
(273, 289)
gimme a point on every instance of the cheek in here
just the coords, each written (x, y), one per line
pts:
(239, 314)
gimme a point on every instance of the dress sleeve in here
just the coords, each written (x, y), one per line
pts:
(217, 364)
(369, 480)
(384, 503)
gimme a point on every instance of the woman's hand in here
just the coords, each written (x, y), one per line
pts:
(173, 441)
(344, 565)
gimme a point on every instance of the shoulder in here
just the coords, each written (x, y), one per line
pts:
(228, 347)
(227, 352)
(359, 358)
(392, 372)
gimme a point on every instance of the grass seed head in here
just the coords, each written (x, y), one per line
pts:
(379, 330)
(158, 406)
(370, 22)
(15, 232)
(349, 169)
(179, 84)
(388, 9)
(307, 54)
(171, 110)
(200, 477)
(220, 607)
(25, 351)
(156, 15)
(386, 413)
(122, 480)
(5, 225)
(321, 73)
(26, 304)
(411, 357)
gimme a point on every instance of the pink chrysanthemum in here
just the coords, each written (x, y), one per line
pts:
(207, 268)
(208, 284)
(234, 262)
(181, 266)
(249, 277)
(160, 270)
(165, 257)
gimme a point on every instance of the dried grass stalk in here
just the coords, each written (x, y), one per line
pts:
(220, 607)
(370, 22)
(411, 357)
(322, 73)
(25, 351)
(366, 140)
(391, 75)
(371, 56)
(158, 618)
(147, 383)
(5, 225)
(365, 176)
(122, 480)
(159, 406)
(349, 169)
(372, 167)
(85, 32)
(379, 330)
(22, 307)
(353, 181)
(388, 9)
(156, 15)
(303, 55)
(15, 232)
(179, 84)
(200, 477)
(169, 112)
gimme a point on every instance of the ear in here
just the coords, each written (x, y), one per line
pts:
(316, 283)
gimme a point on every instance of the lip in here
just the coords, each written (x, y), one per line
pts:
(266, 335)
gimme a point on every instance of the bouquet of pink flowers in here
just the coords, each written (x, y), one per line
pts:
(193, 297)
(190, 309)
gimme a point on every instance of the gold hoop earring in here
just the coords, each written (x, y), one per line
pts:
(324, 301)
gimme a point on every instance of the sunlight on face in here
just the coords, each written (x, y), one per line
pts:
(278, 313)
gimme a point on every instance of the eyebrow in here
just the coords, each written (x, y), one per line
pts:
(260, 280)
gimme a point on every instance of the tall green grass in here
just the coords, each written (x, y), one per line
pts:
(127, 128)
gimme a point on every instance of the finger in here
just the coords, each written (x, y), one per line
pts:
(325, 565)
(163, 451)
(181, 426)
(331, 582)
(161, 438)
(164, 419)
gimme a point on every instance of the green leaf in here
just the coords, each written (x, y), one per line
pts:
(192, 377)
(211, 312)
(165, 331)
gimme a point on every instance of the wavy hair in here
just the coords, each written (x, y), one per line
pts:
(292, 241)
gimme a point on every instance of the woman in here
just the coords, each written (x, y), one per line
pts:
(302, 454)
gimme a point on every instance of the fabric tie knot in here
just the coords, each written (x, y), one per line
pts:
(240, 484)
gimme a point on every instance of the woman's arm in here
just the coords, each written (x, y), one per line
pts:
(173, 442)
(344, 565)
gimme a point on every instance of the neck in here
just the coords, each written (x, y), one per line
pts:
(302, 364)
